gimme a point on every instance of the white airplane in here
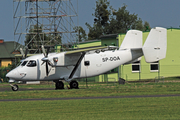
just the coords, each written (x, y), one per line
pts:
(66, 66)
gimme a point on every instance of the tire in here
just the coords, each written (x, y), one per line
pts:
(15, 87)
(74, 84)
(59, 85)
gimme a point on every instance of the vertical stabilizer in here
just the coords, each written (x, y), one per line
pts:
(155, 46)
(133, 39)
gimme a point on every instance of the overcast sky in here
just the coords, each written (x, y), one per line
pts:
(162, 13)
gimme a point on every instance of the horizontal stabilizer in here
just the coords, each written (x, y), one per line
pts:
(133, 39)
(154, 48)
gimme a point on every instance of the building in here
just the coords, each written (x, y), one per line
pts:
(7, 52)
(168, 67)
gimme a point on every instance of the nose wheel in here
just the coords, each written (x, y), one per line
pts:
(14, 87)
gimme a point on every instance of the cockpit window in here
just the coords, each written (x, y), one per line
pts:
(31, 63)
(24, 63)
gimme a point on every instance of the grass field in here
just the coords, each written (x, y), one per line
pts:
(93, 109)
(87, 109)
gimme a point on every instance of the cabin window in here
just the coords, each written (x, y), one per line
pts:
(86, 63)
(24, 63)
(31, 63)
(136, 66)
(154, 67)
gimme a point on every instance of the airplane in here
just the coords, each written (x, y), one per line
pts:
(70, 65)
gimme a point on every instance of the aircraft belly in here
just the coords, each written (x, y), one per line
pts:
(56, 73)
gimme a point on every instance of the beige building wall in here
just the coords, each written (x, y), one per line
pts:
(5, 62)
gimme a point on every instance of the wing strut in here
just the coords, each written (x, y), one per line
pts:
(77, 64)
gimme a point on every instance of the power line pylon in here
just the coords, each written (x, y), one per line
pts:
(44, 22)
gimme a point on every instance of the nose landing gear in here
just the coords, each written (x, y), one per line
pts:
(14, 87)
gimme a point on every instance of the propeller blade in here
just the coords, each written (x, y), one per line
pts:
(21, 50)
(45, 59)
(47, 51)
(43, 63)
(47, 70)
(26, 52)
(43, 50)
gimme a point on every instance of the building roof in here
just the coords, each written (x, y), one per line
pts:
(108, 36)
(7, 49)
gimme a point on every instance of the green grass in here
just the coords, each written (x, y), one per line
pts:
(88, 109)
(96, 90)
(93, 109)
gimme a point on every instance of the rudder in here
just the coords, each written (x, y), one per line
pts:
(155, 47)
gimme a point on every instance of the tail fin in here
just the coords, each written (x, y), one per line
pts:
(155, 46)
(133, 39)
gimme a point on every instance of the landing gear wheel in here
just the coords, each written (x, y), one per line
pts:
(59, 85)
(74, 84)
(15, 87)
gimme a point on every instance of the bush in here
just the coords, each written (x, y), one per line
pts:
(3, 72)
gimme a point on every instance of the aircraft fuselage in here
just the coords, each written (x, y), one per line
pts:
(33, 69)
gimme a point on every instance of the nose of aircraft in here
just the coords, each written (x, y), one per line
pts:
(12, 74)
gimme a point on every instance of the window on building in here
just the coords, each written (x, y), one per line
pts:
(136, 66)
(154, 67)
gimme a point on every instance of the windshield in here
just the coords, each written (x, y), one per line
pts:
(23, 63)
(31, 63)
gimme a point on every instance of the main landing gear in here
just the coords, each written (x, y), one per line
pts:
(60, 85)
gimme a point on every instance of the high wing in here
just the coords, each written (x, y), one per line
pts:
(91, 49)
(72, 57)
(75, 57)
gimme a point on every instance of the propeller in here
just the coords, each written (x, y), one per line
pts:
(45, 59)
(22, 52)
(26, 52)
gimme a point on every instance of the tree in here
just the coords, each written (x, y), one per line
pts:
(101, 19)
(146, 26)
(32, 38)
(81, 36)
(110, 21)
(122, 20)
(37, 37)
(101, 13)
